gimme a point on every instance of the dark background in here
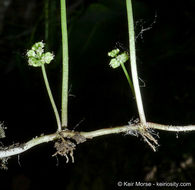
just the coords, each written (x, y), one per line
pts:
(99, 95)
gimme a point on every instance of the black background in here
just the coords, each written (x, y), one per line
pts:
(99, 95)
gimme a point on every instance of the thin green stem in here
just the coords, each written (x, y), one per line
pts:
(51, 97)
(46, 22)
(64, 106)
(43, 67)
(128, 78)
(133, 62)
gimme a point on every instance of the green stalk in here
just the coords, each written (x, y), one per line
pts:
(43, 67)
(46, 23)
(51, 97)
(64, 106)
(128, 78)
(133, 62)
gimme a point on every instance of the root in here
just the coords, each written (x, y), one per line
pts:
(4, 163)
(148, 135)
(65, 148)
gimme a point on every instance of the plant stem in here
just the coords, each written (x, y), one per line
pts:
(128, 78)
(46, 22)
(64, 106)
(51, 97)
(127, 129)
(133, 63)
(43, 67)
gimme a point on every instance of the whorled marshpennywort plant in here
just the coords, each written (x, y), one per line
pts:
(117, 60)
(66, 140)
(38, 58)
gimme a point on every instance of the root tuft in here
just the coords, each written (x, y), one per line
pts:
(65, 148)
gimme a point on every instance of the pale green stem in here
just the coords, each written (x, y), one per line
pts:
(51, 97)
(127, 129)
(64, 106)
(128, 78)
(43, 67)
(46, 22)
(133, 63)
